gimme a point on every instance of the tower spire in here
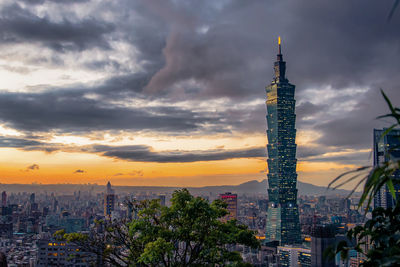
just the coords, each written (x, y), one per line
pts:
(279, 45)
(279, 56)
(280, 65)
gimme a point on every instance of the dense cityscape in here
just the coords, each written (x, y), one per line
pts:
(29, 220)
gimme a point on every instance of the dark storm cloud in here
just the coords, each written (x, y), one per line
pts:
(17, 142)
(68, 111)
(19, 25)
(144, 154)
(137, 153)
(123, 86)
(304, 152)
(28, 144)
(308, 109)
(355, 128)
(340, 44)
(65, 2)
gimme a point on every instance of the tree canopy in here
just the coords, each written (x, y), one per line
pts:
(189, 232)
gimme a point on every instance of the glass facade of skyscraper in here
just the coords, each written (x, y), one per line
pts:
(386, 149)
(283, 215)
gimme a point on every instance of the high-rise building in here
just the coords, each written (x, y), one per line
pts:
(32, 204)
(386, 148)
(60, 253)
(231, 200)
(322, 238)
(290, 256)
(32, 198)
(109, 200)
(283, 215)
(4, 199)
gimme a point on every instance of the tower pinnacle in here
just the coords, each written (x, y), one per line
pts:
(279, 45)
(280, 65)
(279, 56)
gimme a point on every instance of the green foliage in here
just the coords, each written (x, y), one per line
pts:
(72, 237)
(380, 234)
(157, 251)
(188, 233)
(379, 238)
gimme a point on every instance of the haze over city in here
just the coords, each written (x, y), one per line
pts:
(172, 93)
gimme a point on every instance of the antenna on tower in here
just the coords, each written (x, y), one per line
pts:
(279, 45)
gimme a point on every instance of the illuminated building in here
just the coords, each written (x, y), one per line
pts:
(109, 201)
(231, 200)
(386, 148)
(60, 253)
(294, 256)
(283, 215)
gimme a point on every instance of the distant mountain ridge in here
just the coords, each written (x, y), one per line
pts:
(256, 187)
(253, 187)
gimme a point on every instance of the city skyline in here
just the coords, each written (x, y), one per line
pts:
(168, 92)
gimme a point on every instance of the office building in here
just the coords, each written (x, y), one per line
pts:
(32, 198)
(4, 199)
(322, 237)
(60, 253)
(283, 214)
(231, 200)
(109, 200)
(290, 256)
(386, 149)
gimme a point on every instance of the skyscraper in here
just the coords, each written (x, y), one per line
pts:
(386, 148)
(283, 215)
(32, 198)
(4, 199)
(292, 256)
(322, 237)
(109, 200)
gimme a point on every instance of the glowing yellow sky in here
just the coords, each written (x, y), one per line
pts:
(61, 167)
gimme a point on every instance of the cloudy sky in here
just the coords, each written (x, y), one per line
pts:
(157, 92)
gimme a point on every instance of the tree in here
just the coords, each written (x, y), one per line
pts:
(188, 233)
(382, 232)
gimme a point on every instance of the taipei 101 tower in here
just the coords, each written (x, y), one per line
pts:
(283, 214)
